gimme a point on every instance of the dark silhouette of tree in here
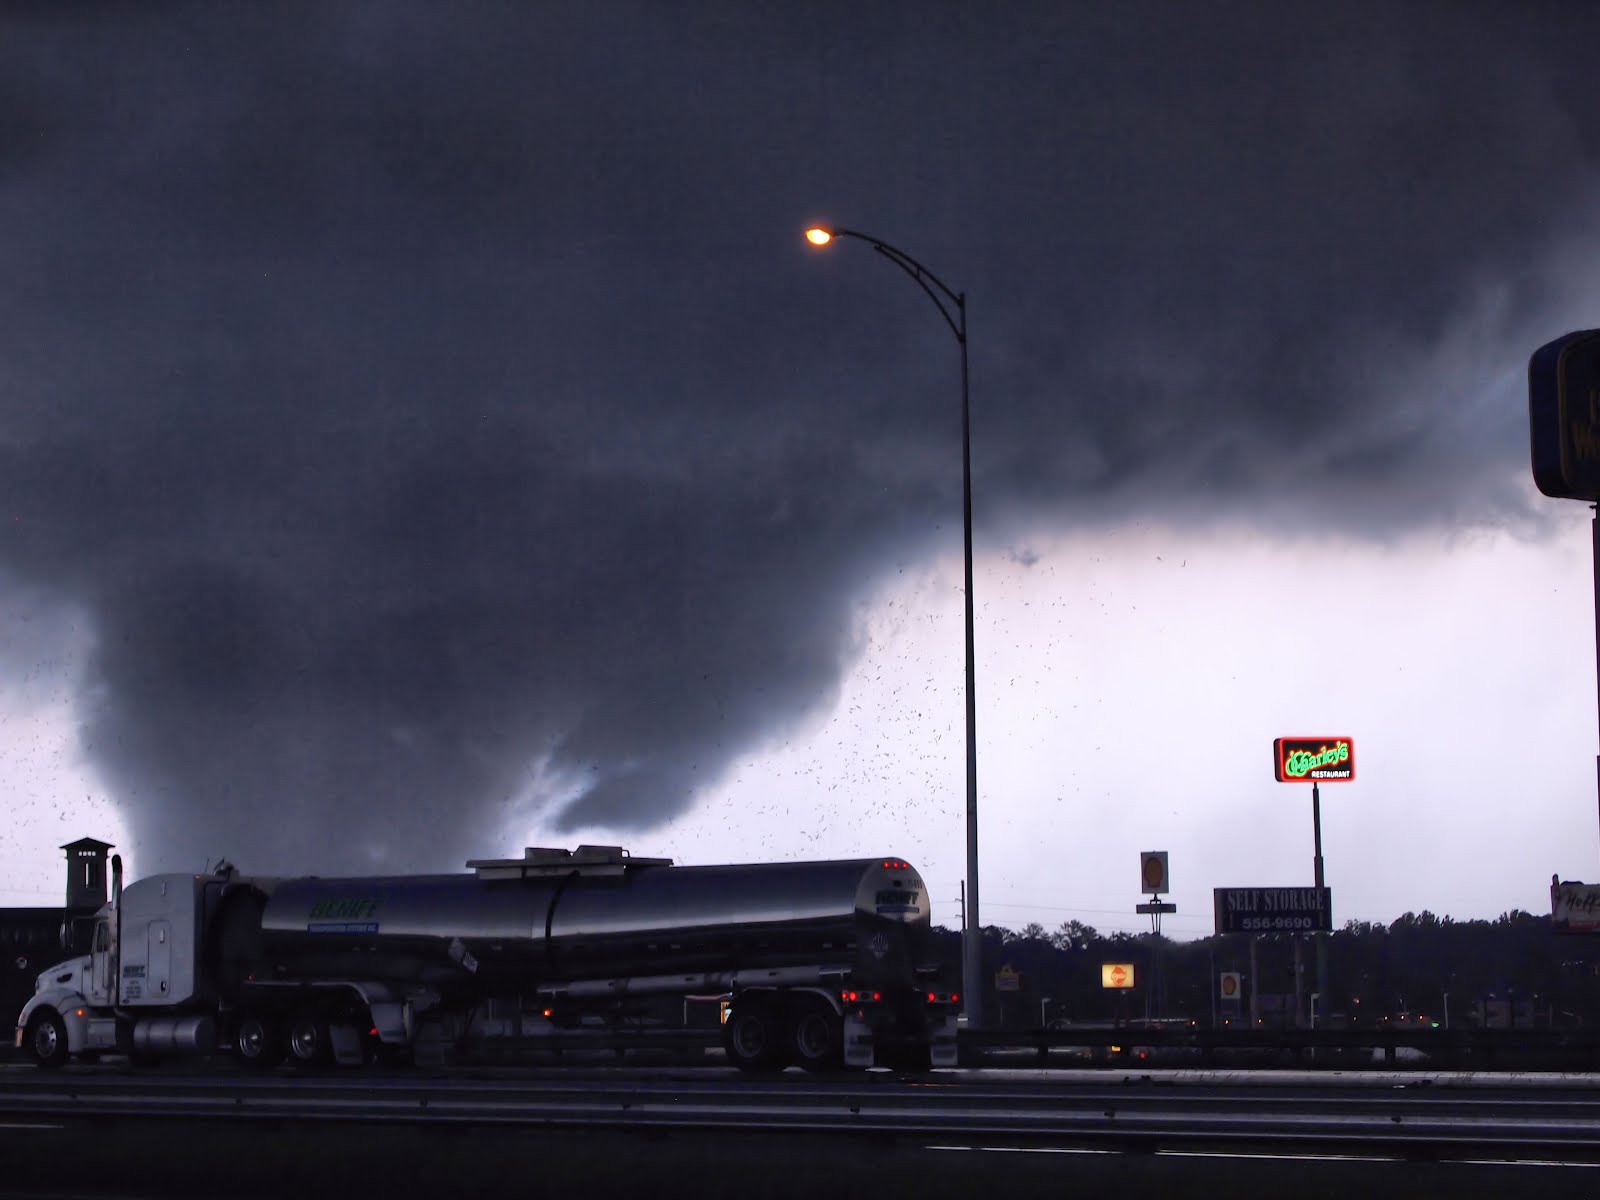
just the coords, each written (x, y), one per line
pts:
(1416, 966)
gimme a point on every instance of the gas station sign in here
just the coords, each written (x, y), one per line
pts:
(1116, 975)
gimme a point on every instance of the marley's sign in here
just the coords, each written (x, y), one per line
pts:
(1314, 759)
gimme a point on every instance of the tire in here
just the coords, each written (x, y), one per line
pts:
(46, 1039)
(305, 1038)
(754, 1038)
(257, 1042)
(816, 1038)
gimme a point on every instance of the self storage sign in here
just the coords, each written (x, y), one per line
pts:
(1274, 910)
(1314, 759)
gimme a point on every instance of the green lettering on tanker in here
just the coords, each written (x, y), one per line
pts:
(343, 910)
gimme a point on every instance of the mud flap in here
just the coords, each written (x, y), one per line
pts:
(346, 1043)
(858, 1043)
(942, 1049)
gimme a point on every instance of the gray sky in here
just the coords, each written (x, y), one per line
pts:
(423, 430)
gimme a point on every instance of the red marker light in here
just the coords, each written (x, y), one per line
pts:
(373, 1032)
(876, 996)
(931, 997)
(954, 998)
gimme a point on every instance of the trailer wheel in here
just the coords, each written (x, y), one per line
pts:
(256, 1042)
(754, 1038)
(817, 1038)
(46, 1038)
(306, 1038)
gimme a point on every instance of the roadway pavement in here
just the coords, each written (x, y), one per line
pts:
(201, 1129)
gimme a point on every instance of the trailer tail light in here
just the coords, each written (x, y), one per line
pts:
(853, 997)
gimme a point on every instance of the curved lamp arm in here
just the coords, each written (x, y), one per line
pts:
(942, 299)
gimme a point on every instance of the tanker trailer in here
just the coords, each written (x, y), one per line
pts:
(823, 960)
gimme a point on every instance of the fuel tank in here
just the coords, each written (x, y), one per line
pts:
(538, 922)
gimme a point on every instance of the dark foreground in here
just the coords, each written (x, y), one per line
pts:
(140, 1157)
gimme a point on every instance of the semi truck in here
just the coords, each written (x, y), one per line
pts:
(823, 963)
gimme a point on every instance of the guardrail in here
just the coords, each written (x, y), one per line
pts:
(1456, 1049)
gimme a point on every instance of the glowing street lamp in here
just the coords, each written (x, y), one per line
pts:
(952, 307)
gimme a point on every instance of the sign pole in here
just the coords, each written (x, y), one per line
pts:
(1595, 532)
(1322, 938)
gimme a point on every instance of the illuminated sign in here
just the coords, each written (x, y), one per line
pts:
(1273, 910)
(1564, 416)
(1314, 759)
(1116, 975)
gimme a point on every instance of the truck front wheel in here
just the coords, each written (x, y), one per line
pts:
(754, 1037)
(46, 1038)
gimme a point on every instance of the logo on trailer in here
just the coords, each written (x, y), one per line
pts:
(343, 915)
(894, 900)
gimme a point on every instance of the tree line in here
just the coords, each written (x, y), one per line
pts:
(1419, 967)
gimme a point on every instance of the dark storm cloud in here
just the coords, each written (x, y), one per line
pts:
(438, 418)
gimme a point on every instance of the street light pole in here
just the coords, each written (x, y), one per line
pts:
(952, 307)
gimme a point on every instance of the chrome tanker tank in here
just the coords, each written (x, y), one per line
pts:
(557, 918)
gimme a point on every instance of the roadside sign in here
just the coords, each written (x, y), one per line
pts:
(1153, 872)
(1273, 910)
(1564, 416)
(1008, 979)
(1574, 907)
(1314, 759)
(1116, 975)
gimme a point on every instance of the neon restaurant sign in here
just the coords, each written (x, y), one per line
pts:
(1314, 759)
